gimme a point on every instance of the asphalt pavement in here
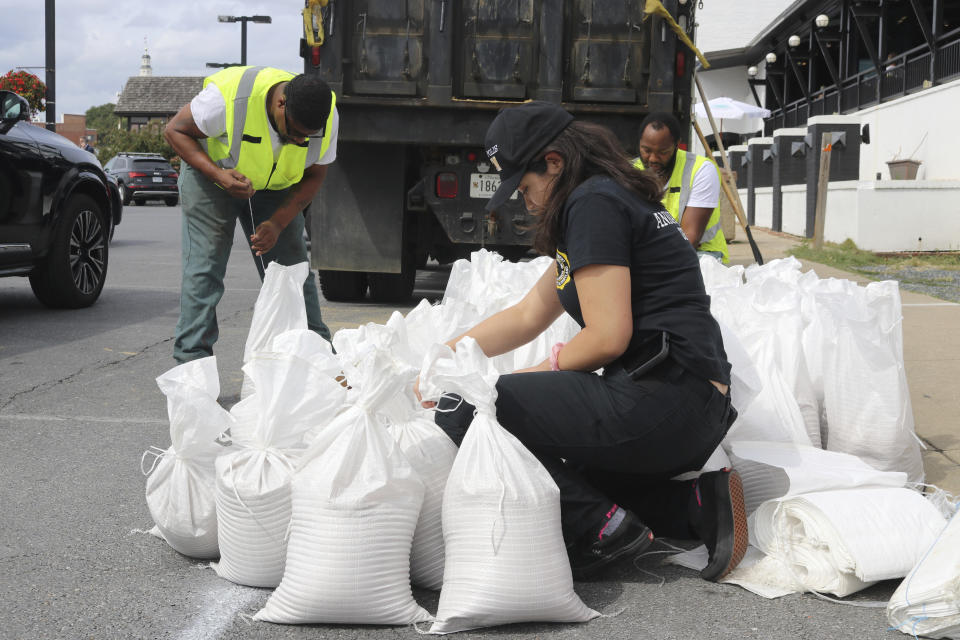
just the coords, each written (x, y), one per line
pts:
(79, 405)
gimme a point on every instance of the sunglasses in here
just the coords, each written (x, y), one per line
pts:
(293, 132)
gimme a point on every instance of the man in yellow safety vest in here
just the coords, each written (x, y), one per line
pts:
(692, 191)
(255, 143)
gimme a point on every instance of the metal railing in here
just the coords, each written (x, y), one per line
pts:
(909, 72)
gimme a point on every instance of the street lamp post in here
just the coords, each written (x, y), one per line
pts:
(243, 20)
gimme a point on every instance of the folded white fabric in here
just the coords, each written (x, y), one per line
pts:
(842, 541)
(927, 602)
(777, 469)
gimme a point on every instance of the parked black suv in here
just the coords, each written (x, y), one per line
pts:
(56, 211)
(144, 176)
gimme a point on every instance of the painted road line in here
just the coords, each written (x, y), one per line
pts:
(44, 417)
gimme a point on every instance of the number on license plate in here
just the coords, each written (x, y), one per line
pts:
(484, 185)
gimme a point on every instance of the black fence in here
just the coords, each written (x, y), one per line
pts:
(903, 74)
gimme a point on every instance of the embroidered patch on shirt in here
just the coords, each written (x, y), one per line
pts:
(563, 269)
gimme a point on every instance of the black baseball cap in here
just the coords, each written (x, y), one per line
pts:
(514, 139)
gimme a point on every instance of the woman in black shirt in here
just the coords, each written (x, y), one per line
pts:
(628, 276)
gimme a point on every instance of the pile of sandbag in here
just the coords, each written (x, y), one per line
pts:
(826, 449)
(337, 495)
(342, 497)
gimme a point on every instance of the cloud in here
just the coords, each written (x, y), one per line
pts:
(100, 42)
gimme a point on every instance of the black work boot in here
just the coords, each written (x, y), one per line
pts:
(719, 518)
(599, 549)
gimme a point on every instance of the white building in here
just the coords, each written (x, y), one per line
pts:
(891, 67)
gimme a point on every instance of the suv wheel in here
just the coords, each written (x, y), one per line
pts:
(124, 194)
(73, 273)
(172, 202)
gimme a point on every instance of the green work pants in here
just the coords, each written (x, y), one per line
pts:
(209, 219)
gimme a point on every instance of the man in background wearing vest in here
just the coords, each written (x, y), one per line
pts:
(255, 144)
(692, 192)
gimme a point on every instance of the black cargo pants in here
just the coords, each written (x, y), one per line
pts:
(610, 439)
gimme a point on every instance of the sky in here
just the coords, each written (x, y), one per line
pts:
(99, 42)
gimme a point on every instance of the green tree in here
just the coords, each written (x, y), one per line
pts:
(102, 118)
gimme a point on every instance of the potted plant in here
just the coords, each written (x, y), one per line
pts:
(27, 86)
(905, 169)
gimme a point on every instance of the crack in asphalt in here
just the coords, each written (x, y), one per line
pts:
(50, 384)
(43, 386)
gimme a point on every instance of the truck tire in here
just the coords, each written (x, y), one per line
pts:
(73, 272)
(343, 286)
(392, 287)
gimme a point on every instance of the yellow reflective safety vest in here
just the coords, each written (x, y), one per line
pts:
(248, 148)
(678, 193)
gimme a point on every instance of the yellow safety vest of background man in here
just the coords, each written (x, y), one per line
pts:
(255, 144)
(692, 192)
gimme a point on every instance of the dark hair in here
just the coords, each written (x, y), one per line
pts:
(587, 150)
(661, 120)
(308, 99)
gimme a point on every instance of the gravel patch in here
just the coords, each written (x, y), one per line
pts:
(931, 281)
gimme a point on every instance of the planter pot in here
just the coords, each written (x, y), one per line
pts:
(903, 169)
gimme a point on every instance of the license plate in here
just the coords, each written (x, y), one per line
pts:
(157, 179)
(484, 185)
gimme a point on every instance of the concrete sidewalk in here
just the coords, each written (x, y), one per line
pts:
(931, 353)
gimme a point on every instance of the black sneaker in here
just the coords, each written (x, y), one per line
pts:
(595, 552)
(722, 521)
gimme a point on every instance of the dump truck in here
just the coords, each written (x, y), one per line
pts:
(417, 84)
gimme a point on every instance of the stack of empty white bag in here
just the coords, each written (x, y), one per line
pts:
(294, 398)
(844, 540)
(505, 556)
(180, 489)
(355, 504)
(927, 602)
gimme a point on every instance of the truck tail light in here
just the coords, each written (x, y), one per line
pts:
(315, 56)
(447, 186)
(681, 64)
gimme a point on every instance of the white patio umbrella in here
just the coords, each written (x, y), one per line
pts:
(724, 108)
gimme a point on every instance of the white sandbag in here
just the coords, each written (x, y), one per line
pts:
(356, 500)
(505, 556)
(745, 381)
(280, 307)
(294, 398)
(843, 541)
(180, 489)
(777, 469)
(927, 602)
(429, 324)
(866, 398)
(491, 283)
(430, 452)
(765, 318)
(716, 275)
(785, 270)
